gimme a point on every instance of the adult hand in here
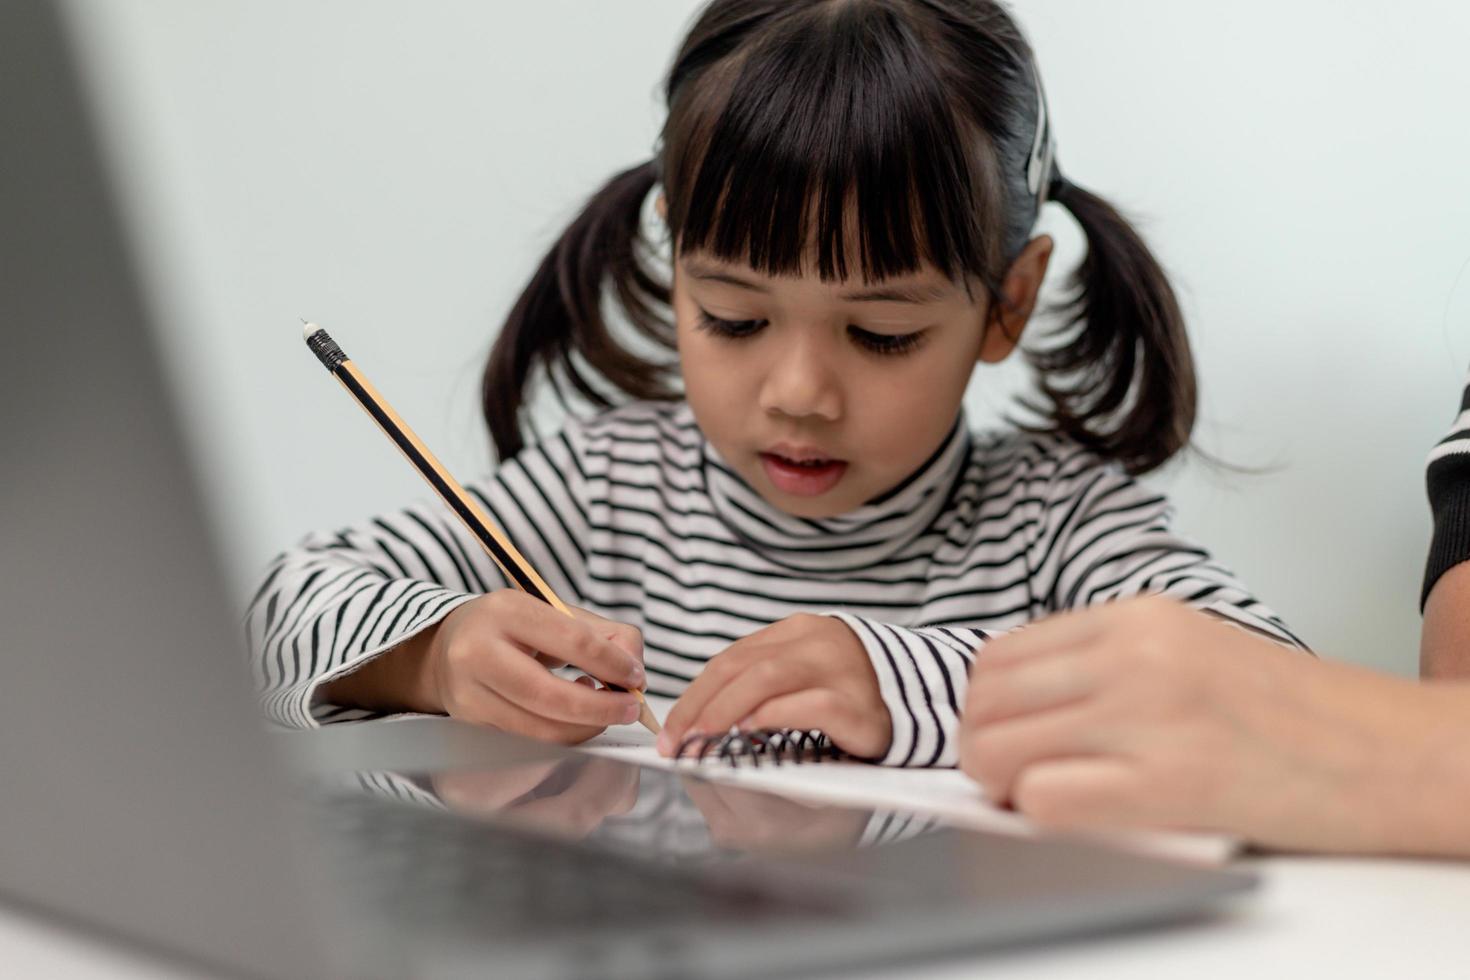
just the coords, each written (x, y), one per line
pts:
(1147, 714)
(806, 671)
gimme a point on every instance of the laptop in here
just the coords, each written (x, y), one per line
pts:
(144, 800)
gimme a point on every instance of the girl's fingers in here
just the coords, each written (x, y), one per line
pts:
(715, 675)
(539, 628)
(735, 700)
(621, 635)
(524, 682)
(485, 707)
(1029, 686)
(995, 755)
(848, 728)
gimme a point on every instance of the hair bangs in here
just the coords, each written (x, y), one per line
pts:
(830, 144)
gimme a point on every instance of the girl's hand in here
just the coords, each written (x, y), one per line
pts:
(1148, 714)
(486, 662)
(804, 672)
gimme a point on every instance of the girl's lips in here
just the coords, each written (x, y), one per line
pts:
(802, 480)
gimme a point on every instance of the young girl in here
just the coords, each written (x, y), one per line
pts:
(789, 524)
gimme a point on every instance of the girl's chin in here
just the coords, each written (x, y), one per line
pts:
(808, 509)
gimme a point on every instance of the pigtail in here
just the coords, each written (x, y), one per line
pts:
(1121, 380)
(558, 324)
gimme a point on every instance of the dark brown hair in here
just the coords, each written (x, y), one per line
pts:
(888, 133)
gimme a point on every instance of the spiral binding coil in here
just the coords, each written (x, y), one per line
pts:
(774, 745)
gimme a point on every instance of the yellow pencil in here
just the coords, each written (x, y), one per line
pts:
(512, 563)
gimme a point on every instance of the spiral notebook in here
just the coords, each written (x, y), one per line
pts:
(804, 766)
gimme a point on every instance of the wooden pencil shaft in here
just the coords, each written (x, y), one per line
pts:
(512, 564)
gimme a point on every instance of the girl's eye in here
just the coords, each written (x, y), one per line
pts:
(882, 343)
(731, 329)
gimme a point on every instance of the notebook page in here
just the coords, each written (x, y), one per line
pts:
(945, 793)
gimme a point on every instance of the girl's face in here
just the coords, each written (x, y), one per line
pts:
(823, 396)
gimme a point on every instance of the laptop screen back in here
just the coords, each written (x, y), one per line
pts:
(138, 794)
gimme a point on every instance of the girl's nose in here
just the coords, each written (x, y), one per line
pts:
(801, 383)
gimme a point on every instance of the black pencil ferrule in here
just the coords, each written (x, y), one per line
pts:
(326, 350)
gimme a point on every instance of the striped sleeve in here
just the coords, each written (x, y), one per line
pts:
(1103, 537)
(1108, 537)
(337, 600)
(922, 675)
(1447, 480)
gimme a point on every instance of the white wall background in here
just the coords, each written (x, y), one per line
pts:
(395, 170)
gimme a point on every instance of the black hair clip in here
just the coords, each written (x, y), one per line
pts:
(775, 745)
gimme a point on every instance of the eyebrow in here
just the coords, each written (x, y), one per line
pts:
(916, 293)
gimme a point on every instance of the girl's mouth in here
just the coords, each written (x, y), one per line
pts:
(803, 478)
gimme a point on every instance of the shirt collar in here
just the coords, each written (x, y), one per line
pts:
(858, 539)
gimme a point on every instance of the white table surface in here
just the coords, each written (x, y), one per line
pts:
(1342, 918)
(1338, 918)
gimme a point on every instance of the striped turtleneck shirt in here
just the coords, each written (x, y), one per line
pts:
(633, 515)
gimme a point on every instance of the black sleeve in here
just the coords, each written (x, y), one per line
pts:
(1448, 480)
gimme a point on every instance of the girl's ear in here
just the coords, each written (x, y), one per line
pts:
(1011, 310)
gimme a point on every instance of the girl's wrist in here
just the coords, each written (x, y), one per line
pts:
(418, 667)
(405, 678)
